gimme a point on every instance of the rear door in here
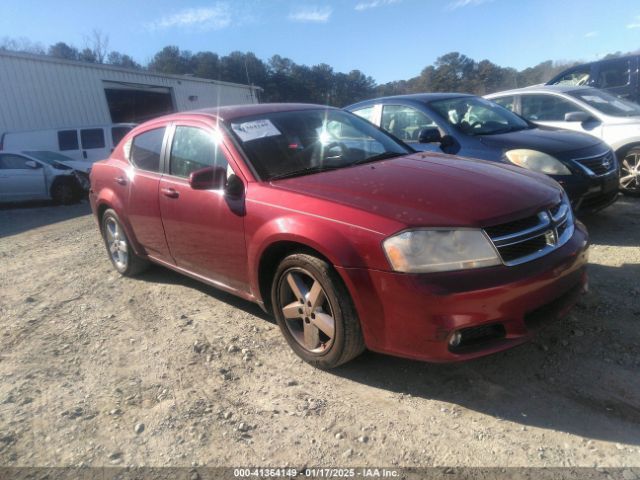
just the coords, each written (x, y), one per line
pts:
(18, 181)
(204, 228)
(142, 183)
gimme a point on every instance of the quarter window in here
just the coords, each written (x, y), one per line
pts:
(546, 108)
(614, 74)
(366, 113)
(118, 133)
(67, 140)
(92, 138)
(146, 148)
(193, 149)
(405, 122)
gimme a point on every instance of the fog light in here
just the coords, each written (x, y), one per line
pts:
(455, 339)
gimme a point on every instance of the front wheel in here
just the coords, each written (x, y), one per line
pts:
(63, 193)
(315, 312)
(122, 256)
(630, 173)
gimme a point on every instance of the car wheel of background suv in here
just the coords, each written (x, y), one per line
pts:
(315, 312)
(630, 173)
(126, 261)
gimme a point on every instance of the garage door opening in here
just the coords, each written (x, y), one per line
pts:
(136, 103)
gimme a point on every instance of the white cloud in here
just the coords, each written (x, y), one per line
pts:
(367, 4)
(590, 34)
(466, 3)
(205, 18)
(636, 24)
(311, 14)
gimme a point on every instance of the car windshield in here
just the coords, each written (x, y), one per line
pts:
(48, 157)
(478, 116)
(286, 144)
(607, 103)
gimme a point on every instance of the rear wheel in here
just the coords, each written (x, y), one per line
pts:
(315, 312)
(630, 173)
(122, 256)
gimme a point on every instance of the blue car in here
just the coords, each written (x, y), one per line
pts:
(471, 126)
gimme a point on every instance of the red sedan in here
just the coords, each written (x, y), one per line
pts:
(347, 236)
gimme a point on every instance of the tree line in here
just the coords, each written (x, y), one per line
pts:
(283, 80)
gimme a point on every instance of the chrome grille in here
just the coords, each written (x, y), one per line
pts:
(532, 237)
(598, 165)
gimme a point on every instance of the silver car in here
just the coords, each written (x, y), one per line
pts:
(41, 175)
(588, 110)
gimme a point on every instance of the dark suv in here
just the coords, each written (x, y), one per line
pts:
(618, 76)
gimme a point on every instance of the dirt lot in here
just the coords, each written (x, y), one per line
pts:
(98, 370)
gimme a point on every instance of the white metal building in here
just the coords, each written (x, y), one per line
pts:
(39, 92)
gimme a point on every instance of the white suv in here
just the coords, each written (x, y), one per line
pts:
(588, 110)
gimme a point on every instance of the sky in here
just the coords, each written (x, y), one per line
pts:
(386, 39)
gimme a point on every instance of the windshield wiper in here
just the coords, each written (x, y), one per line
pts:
(305, 171)
(380, 156)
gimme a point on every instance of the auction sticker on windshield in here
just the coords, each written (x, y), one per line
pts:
(255, 129)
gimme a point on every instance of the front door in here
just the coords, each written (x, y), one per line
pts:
(19, 181)
(204, 228)
(549, 111)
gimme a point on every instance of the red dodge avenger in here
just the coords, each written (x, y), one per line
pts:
(351, 239)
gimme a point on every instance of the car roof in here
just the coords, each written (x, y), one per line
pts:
(230, 112)
(541, 89)
(419, 97)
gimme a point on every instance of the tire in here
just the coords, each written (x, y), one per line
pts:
(119, 249)
(64, 193)
(325, 333)
(630, 172)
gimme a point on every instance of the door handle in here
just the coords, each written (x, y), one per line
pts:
(120, 180)
(170, 192)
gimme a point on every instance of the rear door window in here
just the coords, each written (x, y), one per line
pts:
(146, 149)
(367, 113)
(92, 138)
(67, 140)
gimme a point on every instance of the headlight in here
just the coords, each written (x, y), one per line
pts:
(537, 161)
(419, 251)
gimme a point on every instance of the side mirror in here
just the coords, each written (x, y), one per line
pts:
(429, 135)
(208, 178)
(576, 117)
(32, 164)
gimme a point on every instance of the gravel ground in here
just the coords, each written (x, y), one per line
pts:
(160, 370)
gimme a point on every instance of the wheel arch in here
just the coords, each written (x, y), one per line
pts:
(621, 151)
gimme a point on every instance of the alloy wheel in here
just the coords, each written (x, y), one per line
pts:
(116, 243)
(306, 309)
(630, 172)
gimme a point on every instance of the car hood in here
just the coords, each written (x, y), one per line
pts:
(427, 189)
(77, 165)
(545, 140)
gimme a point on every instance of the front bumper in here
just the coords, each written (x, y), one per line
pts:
(415, 316)
(590, 194)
